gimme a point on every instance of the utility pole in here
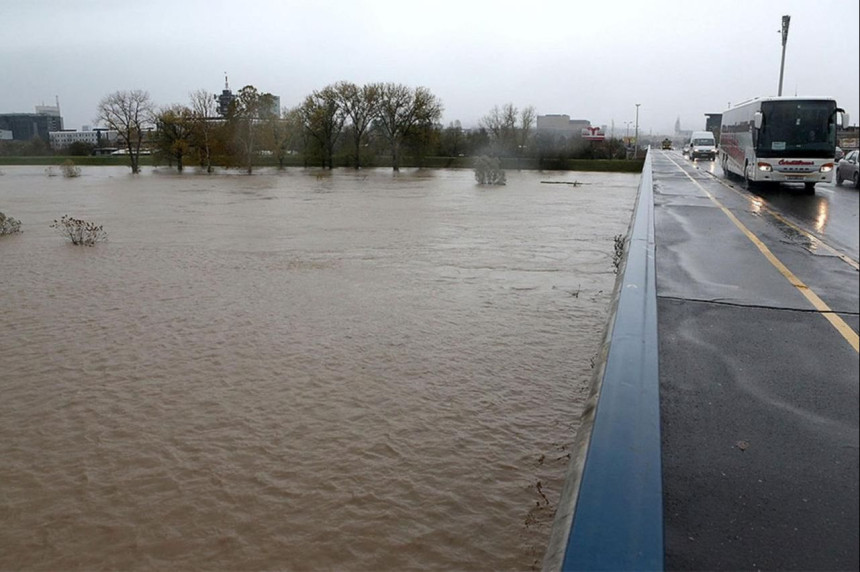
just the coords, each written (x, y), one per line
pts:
(785, 21)
(636, 136)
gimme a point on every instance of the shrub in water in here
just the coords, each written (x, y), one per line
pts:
(9, 225)
(488, 171)
(79, 231)
(69, 169)
(618, 255)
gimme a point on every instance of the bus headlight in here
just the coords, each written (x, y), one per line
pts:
(762, 166)
(826, 167)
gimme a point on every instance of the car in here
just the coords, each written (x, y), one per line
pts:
(839, 153)
(848, 169)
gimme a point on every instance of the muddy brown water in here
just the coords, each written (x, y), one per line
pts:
(296, 370)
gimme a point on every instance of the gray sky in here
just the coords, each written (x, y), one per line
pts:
(589, 59)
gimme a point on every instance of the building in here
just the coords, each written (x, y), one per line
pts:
(563, 125)
(713, 122)
(96, 138)
(26, 126)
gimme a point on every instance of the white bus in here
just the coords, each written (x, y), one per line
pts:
(781, 140)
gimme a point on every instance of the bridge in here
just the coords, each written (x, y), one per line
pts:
(722, 429)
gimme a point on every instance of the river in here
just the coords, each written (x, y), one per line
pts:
(296, 370)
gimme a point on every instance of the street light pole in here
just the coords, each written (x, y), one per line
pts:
(785, 22)
(636, 136)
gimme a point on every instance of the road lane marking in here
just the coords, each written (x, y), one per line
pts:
(813, 238)
(844, 329)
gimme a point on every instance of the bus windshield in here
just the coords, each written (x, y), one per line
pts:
(797, 129)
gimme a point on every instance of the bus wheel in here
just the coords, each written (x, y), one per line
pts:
(809, 188)
(748, 183)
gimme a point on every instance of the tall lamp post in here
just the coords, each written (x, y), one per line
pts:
(785, 21)
(636, 135)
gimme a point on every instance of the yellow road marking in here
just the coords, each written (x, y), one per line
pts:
(844, 329)
(815, 239)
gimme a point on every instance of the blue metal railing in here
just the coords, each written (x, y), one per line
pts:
(610, 515)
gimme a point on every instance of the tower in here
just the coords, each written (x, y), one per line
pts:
(225, 99)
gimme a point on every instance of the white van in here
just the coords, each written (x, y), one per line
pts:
(702, 145)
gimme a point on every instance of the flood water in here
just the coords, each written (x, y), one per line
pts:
(296, 370)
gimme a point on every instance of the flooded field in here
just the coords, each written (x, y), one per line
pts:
(297, 370)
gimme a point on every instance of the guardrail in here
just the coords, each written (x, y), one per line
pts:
(610, 515)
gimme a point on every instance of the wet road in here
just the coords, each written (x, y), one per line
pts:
(831, 215)
(757, 321)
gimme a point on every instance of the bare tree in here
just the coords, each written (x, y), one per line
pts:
(128, 113)
(501, 124)
(202, 113)
(401, 109)
(323, 118)
(527, 120)
(359, 105)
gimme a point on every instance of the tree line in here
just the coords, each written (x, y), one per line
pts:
(340, 124)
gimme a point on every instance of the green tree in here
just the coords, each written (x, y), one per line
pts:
(248, 110)
(452, 141)
(284, 133)
(35, 147)
(175, 128)
(423, 140)
(128, 113)
(80, 148)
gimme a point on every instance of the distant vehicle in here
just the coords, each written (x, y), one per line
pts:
(848, 169)
(839, 153)
(667, 143)
(703, 145)
(125, 152)
(781, 140)
(686, 149)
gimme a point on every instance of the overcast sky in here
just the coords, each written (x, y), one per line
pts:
(589, 59)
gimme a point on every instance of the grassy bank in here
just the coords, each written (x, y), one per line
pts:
(600, 165)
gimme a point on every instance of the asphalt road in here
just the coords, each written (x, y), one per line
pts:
(757, 320)
(831, 214)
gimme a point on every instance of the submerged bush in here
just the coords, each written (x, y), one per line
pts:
(488, 171)
(618, 255)
(69, 169)
(9, 225)
(79, 231)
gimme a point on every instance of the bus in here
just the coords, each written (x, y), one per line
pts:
(781, 140)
